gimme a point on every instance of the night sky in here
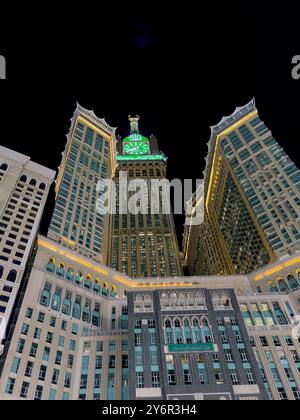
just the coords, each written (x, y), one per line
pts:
(180, 68)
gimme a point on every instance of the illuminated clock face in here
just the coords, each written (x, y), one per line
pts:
(136, 148)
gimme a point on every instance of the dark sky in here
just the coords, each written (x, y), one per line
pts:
(181, 68)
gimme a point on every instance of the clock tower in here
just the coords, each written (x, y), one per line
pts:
(142, 245)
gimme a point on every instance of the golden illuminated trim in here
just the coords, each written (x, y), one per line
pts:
(277, 268)
(190, 227)
(45, 244)
(69, 242)
(109, 138)
(222, 134)
(127, 282)
(94, 126)
(135, 285)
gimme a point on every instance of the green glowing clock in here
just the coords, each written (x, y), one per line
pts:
(136, 148)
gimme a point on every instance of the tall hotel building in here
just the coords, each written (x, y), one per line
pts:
(24, 187)
(252, 200)
(143, 244)
(103, 312)
(88, 158)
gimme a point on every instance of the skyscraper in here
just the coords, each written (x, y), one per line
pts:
(88, 158)
(77, 336)
(82, 330)
(143, 244)
(252, 198)
(24, 187)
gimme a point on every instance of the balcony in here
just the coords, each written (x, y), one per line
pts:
(262, 328)
(195, 347)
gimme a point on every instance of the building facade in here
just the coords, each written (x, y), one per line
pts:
(24, 187)
(99, 309)
(252, 198)
(84, 331)
(143, 242)
(190, 344)
(88, 159)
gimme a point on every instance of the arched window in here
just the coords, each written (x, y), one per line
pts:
(42, 186)
(200, 300)
(293, 282)
(272, 287)
(1, 271)
(32, 182)
(96, 315)
(225, 300)
(23, 178)
(56, 299)
(186, 323)
(87, 281)
(66, 305)
(204, 322)
(96, 285)
(177, 323)
(169, 338)
(46, 295)
(60, 272)
(282, 285)
(197, 331)
(195, 322)
(167, 323)
(113, 291)
(12, 275)
(78, 277)
(104, 290)
(76, 313)
(86, 313)
(70, 274)
(3, 167)
(206, 331)
(187, 332)
(51, 265)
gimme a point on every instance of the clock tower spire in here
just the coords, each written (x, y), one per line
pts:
(134, 124)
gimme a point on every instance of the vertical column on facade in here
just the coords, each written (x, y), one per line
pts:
(266, 367)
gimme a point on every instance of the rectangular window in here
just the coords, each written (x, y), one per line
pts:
(155, 379)
(10, 386)
(29, 368)
(42, 374)
(58, 357)
(55, 376)
(68, 380)
(99, 346)
(15, 365)
(112, 362)
(24, 390)
(187, 377)
(20, 346)
(33, 350)
(139, 379)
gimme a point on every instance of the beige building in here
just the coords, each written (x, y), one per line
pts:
(252, 199)
(143, 244)
(79, 324)
(70, 340)
(24, 187)
(88, 158)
